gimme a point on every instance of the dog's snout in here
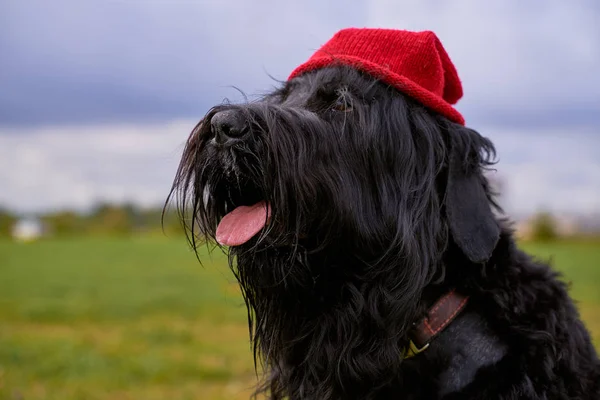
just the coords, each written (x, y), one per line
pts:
(229, 124)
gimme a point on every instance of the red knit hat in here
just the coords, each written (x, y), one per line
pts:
(413, 62)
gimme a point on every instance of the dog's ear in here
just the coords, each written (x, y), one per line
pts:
(470, 218)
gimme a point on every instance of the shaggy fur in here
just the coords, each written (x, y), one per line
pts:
(379, 206)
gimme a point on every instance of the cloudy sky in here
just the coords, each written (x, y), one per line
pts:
(98, 97)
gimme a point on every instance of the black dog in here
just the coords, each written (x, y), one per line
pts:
(362, 209)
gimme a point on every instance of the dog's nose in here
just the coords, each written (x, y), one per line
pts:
(229, 124)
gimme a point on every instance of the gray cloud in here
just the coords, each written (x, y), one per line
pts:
(68, 61)
(71, 61)
(521, 63)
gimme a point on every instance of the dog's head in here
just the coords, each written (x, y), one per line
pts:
(339, 195)
(337, 160)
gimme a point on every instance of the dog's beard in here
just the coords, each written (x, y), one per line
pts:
(340, 228)
(229, 191)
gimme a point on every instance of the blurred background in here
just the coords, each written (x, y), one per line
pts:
(97, 99)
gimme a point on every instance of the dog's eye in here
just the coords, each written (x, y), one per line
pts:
(341, 104)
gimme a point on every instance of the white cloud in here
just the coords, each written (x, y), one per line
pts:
(77, 166)
(556, 170)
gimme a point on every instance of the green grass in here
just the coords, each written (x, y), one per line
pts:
(139, 318)
(120, 319)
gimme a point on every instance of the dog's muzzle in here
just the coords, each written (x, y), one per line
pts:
(228, 128)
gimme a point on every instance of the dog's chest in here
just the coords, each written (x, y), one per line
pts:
(453, 359)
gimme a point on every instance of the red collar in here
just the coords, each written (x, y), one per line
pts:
(438, 317)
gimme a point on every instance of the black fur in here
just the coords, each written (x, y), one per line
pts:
(378, 206)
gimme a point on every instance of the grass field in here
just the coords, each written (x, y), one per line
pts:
(141, 319)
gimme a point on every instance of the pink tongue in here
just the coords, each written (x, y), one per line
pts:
(240, 225)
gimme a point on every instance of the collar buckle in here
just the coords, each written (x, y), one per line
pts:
(412, 349)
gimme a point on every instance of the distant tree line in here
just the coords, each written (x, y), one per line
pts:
(104, 219)
(128, 219)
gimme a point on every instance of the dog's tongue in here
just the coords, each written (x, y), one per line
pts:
(240, 225)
